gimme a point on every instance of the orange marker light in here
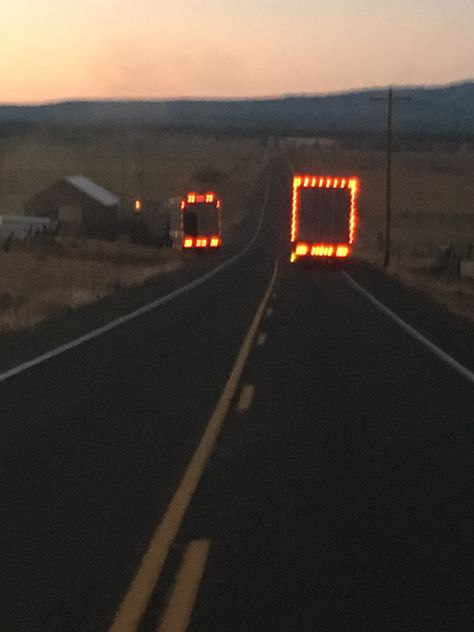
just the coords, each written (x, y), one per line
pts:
(302, 250)
(354, 187)
(342, 251)
(138, 206)
(294, 207)
(322, 250)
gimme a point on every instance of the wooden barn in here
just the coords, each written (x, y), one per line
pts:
(81, 207)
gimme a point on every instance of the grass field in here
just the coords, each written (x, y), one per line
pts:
(38, 282)
(35, 285)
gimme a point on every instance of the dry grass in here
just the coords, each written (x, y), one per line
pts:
(35, 286)
(119, 252)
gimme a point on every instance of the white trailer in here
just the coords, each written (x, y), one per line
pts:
(21, 227)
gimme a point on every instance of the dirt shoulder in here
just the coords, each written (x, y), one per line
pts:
(448, 291)
(39, 282)
(455, 294)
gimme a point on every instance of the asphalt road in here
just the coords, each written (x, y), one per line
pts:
(338, 496)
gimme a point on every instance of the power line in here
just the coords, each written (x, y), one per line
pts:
(390, 100)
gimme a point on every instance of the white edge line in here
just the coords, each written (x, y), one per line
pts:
(454, 364)
(113, 324)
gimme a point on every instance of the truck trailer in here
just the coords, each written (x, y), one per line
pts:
(196, 221)
(323, 217)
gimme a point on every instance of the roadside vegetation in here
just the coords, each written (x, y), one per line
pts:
(36, 284)
(39, 280)
(432, 209)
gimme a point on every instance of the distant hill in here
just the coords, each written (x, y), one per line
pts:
(440, 110)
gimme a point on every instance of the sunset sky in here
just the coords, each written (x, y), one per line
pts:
(54, 50)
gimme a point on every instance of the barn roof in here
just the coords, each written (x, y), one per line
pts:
(93, 190)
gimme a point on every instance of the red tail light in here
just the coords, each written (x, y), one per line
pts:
(188, 243)
(320, 250)
(342, 251)
(302, 250)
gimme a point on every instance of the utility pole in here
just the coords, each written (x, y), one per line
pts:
(139, 168)
(122, 176)
(390, 100)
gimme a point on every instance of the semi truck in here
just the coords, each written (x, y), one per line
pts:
(323, 217)
(196, 221)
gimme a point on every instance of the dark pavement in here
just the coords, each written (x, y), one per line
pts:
(342, 500)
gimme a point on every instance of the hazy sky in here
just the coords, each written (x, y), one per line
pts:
(56, 49)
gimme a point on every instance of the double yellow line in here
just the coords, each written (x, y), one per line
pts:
(135, 602)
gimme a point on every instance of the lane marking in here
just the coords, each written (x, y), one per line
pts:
(269, 311)
(454, 364)
(181, 605)
(117, 322)
(262, 339)
(133, 606)
(246, 398)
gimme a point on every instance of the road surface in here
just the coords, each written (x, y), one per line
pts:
(337, 496)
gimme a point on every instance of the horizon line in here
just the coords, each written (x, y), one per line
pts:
(217, 99)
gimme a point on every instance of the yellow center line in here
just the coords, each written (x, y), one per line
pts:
(133, 606)
(246, 398)
(180, 608)
(262, 339)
